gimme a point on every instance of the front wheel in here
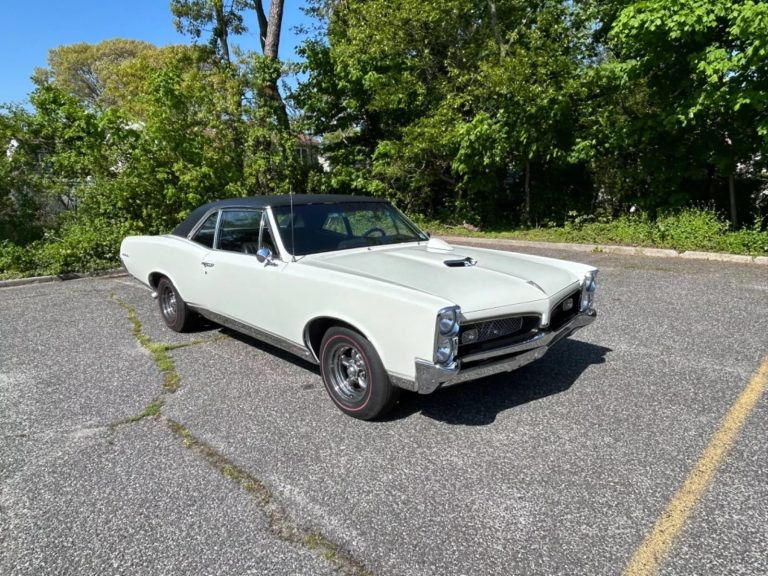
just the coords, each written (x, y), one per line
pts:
(354, 375)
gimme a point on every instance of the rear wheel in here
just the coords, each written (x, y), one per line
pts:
(177, 315)
(354, 376)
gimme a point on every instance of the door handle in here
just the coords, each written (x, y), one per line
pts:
(208, 264)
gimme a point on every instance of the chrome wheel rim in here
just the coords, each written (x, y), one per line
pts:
(168, 304)
(348, 373)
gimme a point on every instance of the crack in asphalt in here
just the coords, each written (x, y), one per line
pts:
(279, 522)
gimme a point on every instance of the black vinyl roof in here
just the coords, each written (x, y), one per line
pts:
(189, 223)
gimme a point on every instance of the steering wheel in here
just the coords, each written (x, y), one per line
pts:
(372, 230)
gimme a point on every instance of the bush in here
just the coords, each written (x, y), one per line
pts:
(688, 229)
(77, 247)
(691, 229)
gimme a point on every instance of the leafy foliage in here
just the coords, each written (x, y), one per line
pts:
(701, 229)
(554, 115)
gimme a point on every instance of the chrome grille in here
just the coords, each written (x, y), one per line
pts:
(490, 330)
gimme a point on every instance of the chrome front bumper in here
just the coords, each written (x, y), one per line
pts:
(430, 377)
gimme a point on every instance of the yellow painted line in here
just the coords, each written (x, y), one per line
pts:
(653, 550)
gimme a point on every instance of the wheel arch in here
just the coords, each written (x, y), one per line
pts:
(155, 277)
(317, 327)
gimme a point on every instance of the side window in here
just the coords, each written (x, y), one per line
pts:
(239, 231)
(207, 231)
(335, 223)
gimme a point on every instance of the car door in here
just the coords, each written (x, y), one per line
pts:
(189, 259)
(238, 286)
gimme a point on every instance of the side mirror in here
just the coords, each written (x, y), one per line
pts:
(264, 256)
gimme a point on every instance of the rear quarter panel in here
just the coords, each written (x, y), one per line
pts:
(176, 258)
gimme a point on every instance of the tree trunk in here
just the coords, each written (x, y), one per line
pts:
(270, 42)
(495, 26)
(222, 29)
(263, 23)
(732, 196)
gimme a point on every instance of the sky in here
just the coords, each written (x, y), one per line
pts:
(29, 30)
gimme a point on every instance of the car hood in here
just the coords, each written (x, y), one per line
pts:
(495, 279)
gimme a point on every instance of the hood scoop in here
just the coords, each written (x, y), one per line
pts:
(461, 263)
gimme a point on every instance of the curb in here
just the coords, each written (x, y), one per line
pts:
(612, 249)
(606, 249)
(112, 273)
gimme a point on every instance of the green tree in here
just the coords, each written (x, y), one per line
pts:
(702, 67)
(20, 208)
(445, 106)
(87, 71)
(222, 20)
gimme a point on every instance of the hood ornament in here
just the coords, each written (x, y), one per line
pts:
(532, 283)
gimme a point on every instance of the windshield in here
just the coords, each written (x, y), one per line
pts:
(327, 227)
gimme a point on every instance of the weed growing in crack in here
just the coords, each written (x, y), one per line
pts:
(152, 410)
(279, 523)
(158, 350)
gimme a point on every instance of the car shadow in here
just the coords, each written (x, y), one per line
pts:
(203, 325)
(269, 349)
(478, 403)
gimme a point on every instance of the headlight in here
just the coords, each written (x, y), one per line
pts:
(447, 336)
(444, 354)
(588, 288)
(447, 321)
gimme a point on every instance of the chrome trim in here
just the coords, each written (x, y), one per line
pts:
(470, 323)
(430, 376)
(473, 323)
(402, 381)
(199, 225)
(264, 256)
(539, 288)
(587, 299)
(452, 336)
(259, 334)
(533, 342)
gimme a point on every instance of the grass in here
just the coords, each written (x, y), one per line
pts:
(279, 523)
(158, 350)
(699, 229)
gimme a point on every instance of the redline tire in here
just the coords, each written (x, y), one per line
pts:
(354, 376)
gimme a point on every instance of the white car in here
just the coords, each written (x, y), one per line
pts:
(353, 285)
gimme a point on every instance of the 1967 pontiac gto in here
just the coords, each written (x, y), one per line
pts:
(352, 284)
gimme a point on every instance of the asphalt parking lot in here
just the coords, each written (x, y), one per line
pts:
(129, 449)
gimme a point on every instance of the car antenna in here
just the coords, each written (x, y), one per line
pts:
(293, 224)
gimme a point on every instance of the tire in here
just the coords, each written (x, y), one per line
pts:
(175, 312)
(354, 376)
